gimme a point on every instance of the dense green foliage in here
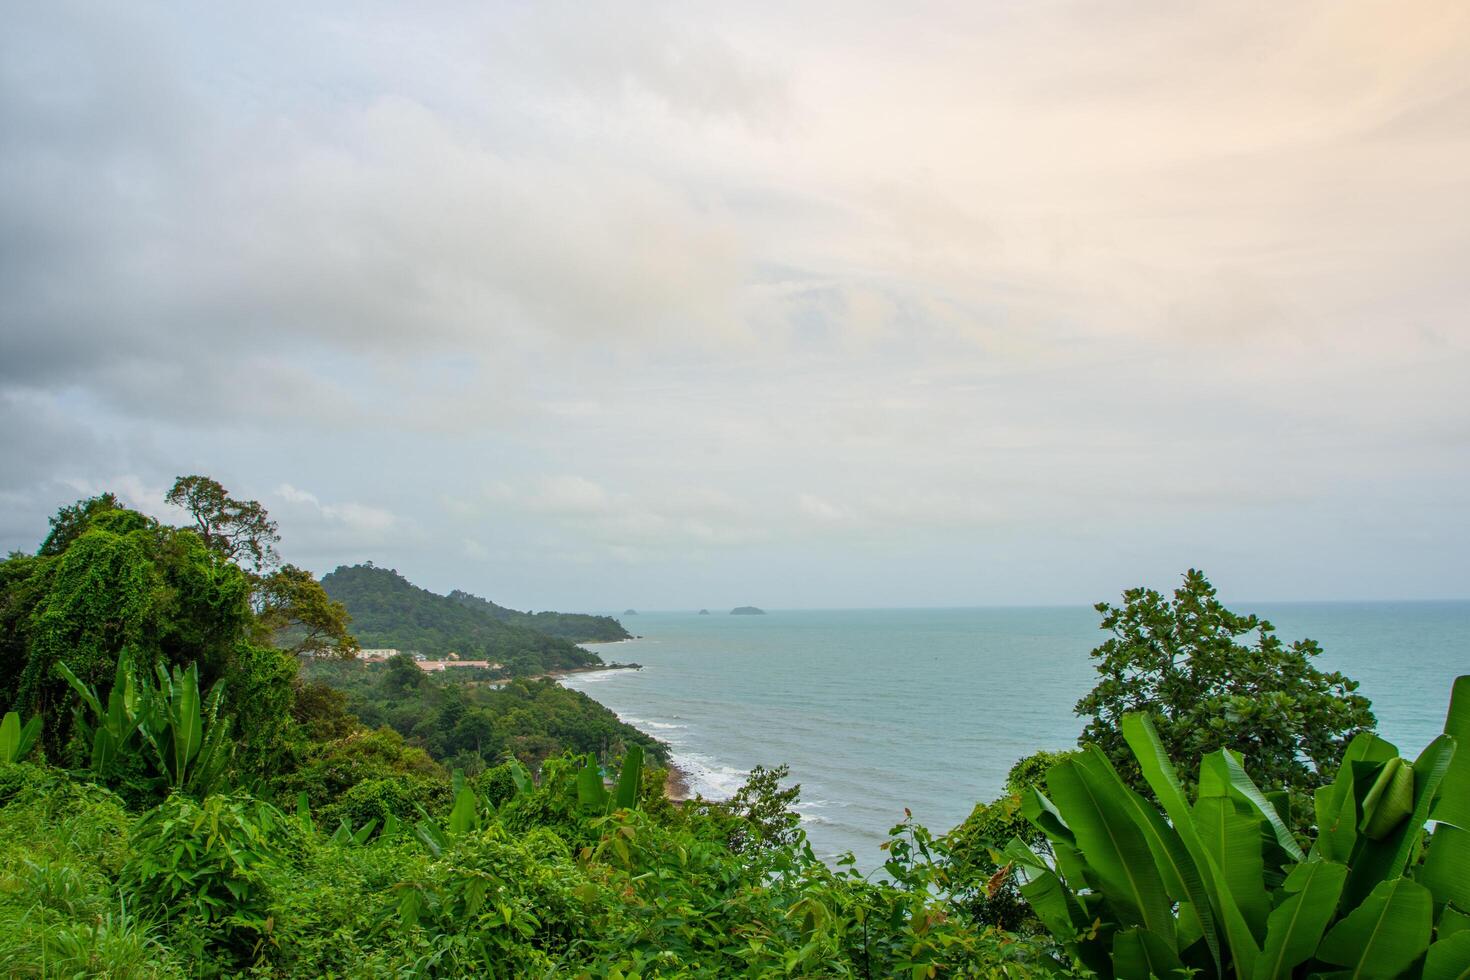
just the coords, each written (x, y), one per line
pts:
(548, 882)
(1223, 888)
(196, 799)
(124, 585)
(1181, 662)
(976, 865)
(576, 627)
(220, 813)
(388, 611)
(471, 724)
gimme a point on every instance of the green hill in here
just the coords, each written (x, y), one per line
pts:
(577, 627)
(389, 611)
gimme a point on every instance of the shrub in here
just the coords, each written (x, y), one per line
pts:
(212, 862)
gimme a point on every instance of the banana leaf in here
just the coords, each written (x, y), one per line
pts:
(1446, 870)
(1112, 845)
(1295, 926)
(1158, 771)
(1232, 838)
(1380, 860)
(1181, 876)
(464, 816)
(1057, 907)
(1223, 768)
(1385, 934)
(520, 777)
(625, 797)
(16, 739)
(1449, 959)
(1337, 802)
(591, 794)
(1139, 954)
(1454, 801)
(303, 812)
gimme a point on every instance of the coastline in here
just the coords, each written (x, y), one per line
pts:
(678, 781)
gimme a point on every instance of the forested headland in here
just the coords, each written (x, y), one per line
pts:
(198, 777)
(388, 611)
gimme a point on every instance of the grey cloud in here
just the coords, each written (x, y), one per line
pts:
(919, 305)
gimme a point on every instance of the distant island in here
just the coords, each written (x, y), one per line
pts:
(630, 612)
(747, 611)
(704, 612)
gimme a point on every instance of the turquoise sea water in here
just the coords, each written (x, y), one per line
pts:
(876, 710)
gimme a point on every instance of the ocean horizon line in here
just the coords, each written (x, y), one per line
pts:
(1227, 599)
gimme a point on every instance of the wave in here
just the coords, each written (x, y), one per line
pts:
(661, 726)
(708, 777)
(577, 680)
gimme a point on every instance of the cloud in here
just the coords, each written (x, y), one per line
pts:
(821, 510)
(521, 292)
(355, 516)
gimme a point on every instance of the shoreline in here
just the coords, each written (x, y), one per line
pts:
(678, 783)
(560, 672)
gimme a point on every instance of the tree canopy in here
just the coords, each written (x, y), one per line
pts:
(240, 530)
(1210, 679)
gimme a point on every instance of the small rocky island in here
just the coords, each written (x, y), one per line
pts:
(747, 611)
(704, 612)
(630, 612)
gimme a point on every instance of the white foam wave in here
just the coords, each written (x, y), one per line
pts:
(577, 680)
(709, 778)
(662, 726)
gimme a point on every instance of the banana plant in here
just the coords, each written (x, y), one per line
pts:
(187, 735)
(464, 817)
(593, 796)
(114, 728)
(1219, 886)
(17, 740)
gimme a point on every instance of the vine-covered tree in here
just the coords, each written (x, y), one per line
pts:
(1213, 679)
(70, 521)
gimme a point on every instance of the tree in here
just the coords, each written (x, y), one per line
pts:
(121, 583)
(1180, 661)
(403, 675)
(70, 521)
(240, 530)
(295, 613)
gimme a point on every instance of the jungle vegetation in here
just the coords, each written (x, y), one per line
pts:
(180, 797)
(474, 723)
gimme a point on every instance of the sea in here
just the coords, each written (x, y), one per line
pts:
(879, 710)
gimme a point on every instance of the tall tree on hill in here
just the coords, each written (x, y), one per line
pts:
(240, 530)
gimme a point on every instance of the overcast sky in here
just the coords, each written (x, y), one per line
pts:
(668, 306)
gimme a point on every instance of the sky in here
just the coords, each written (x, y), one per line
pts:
(596, 306)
